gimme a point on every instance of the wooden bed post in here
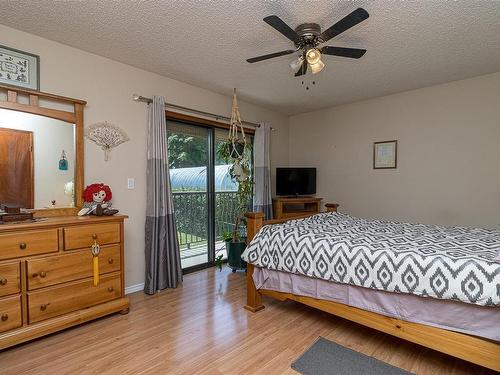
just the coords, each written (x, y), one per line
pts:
(331, 207)
(254, 298)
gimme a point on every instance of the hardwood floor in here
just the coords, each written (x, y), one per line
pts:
(202, 328)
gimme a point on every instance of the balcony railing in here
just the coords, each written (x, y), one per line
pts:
(191, 216)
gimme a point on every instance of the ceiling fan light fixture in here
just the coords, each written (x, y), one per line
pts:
(313, 56)
(297, 63)
(317, 67)
(307, 38)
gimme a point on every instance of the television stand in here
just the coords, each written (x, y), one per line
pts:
(293, 207)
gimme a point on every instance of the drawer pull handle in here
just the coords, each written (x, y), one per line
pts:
(43, 306)
(22, 246)
(110, 289)
(43, 274)
(110, 260)
(3, 281)
(5, 317)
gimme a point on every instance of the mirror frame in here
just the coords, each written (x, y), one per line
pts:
(75, 117)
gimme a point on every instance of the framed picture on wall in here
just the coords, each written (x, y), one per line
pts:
(20, 69)
(385, 155)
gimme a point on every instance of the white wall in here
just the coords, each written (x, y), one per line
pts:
(108, 86)
(50, 137)
(448, 153)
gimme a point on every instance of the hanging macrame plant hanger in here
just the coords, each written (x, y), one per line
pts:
(237, 141)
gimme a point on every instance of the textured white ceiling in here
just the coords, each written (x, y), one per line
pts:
(410, 44)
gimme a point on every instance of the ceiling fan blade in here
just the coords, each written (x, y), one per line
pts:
(282, 27)
(344, 24)
(302, 70)
(354, 53)
(270, 55)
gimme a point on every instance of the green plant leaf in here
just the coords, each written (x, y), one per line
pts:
(219, 263)
(245, 188)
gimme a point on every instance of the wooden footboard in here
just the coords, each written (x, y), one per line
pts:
(470, 348)
(255, 221)
(254, 300)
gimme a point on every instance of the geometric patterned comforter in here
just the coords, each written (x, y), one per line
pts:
(453, 263)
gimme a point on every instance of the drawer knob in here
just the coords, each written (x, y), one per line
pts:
(3, 281)
(43, 274)
(5, 317)
(110, 289)
(110, 260)
(43, 306)
(22, 246)
(94, 236)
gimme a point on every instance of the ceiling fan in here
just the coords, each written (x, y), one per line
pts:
(308, 36)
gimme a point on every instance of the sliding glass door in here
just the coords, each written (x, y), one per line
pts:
(226, 199)
(189, 161)
(205, 199)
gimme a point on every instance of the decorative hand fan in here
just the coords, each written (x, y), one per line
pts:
(106, 135)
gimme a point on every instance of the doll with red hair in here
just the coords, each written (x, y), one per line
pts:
(97, 200)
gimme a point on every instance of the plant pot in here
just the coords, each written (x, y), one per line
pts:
(238, 149)
(234, 251)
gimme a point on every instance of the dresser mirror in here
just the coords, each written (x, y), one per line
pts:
(41, 152)
(37, 161)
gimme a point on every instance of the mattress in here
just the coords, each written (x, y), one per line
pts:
(456, 316)
(450, 263)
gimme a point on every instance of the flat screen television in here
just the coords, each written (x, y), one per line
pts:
(295, 181)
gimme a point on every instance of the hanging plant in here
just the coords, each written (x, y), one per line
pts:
(238, 152)
(236, 137)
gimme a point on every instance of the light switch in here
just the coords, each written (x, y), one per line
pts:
(130, 183)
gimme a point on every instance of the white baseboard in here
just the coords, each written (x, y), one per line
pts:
(134, 288)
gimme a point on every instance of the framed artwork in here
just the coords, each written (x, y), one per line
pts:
(385, 155)
(20, 69)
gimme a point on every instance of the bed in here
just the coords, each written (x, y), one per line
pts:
(435, 286)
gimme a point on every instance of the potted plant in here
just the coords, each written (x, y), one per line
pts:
(240, 172)
(237, 148)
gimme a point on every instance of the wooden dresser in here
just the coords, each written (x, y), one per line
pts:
(46, 275)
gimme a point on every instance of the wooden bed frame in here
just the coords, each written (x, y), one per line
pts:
(470, 348)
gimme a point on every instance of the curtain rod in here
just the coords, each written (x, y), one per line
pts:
(140, 98)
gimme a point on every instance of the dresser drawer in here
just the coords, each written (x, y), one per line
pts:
(9, 279)
(28, 243)
(10, 313)
(74, 296)
(58, 269)
(85, 235)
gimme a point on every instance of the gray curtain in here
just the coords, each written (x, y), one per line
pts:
(262, 201)
(163, 262)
